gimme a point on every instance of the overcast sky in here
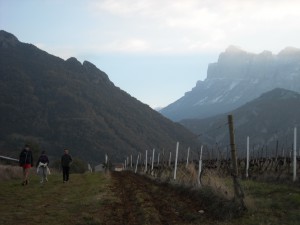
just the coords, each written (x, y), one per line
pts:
(156, 50)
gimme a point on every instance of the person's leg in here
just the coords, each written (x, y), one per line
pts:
(64, 173)
(45, 173)
(24, 177)
(67, 173)
(42, 172)
(26, 174)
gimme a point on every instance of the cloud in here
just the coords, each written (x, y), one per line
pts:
(189, 26)
(192, 25)
(132, 45)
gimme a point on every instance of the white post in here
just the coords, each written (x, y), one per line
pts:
(158, 156)
(153, 152)
(130, 161)
(140, 159)
(137, 162)
(187, 158)
(295, 155)
(106, 159)
(125, 165)
(146, 162)
(200, 167)
(176, 157)
(170, 158)
(247, 162)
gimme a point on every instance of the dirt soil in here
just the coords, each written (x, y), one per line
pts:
(142, 201)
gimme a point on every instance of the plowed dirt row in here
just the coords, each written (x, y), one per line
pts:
(143, 201)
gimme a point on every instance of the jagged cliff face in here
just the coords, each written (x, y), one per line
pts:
(235, 79)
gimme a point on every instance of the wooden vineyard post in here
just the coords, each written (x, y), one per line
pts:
(176, 158)
(200, 167)
(238, 192)
(187, 157)
(295, 155)
(247, 158)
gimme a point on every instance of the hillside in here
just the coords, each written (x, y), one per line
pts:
(67, 104)
(237, 78)
(267, 119)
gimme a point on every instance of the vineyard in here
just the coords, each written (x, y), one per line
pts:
(260, 163)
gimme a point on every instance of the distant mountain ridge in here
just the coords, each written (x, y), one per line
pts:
(238, 77)
(67, 104)
(266, 120)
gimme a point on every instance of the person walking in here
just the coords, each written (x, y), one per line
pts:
(42, 167)
(26, 162)
(66, 160)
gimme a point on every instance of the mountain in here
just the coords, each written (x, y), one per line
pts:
(67, 104)
(266, 120)
(238, 77)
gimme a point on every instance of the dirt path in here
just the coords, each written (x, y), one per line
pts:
(143, 201)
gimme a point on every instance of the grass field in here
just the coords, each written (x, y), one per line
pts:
(126, 198)
(54, 202)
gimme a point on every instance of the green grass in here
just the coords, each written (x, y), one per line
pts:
(89, 199)
(271, 204)
(76, 202)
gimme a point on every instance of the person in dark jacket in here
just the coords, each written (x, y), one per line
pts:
(26, 162)
(66, 160)
(42, 166)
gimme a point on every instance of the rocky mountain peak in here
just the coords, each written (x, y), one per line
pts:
(279, 93)
(7, 39)
(74, 64)
(289, 51)
(232, 49)
(73, 60)
(95, 72)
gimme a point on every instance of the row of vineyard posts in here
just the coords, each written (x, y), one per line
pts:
(249, 167)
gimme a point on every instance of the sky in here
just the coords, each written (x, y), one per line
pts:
(155, 50)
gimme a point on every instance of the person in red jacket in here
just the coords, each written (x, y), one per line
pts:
(26, 162)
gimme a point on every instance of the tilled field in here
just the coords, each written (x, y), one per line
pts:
(143, 201)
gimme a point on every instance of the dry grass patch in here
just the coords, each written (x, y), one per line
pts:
(8, 172)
